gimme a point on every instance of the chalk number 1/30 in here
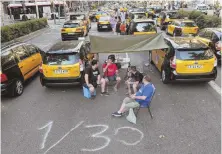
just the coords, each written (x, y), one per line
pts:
(48, 127)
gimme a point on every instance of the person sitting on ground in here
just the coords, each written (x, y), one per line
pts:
(142, 97)
(135, 81)
(123, 28)
(110, 71)
(92, 78)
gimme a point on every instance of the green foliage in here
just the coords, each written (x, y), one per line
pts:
(182, 14)
(195, 14)
(10, 32)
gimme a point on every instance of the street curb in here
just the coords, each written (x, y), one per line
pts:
(29, 36)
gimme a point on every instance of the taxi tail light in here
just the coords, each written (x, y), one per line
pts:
(218, 46)
(4, 78)
(215, 61)
(173, 62)
(40, 68)
(63, 30)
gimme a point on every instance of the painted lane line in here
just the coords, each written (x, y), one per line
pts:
(80, 123)
(49, 125)
(215, 87)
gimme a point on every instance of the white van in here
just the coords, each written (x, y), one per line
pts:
(202, 7)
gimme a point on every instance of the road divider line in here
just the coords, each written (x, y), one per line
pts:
(215, 87)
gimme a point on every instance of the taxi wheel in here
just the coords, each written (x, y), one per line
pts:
(17, 88)
(150, 58)
(164, 77)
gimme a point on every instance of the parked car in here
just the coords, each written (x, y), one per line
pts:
(73, 29)
(104, 23)
(202, 7)
(213, 38)
(64, 62)
(182, 27)
(186, 59)
(142, 26)
(166, 17)
(19, 62)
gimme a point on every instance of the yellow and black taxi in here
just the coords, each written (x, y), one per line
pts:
(182, 27)
(73, 29)
(186, 59)
(64, 63)
(81, 16)
(166, 17)
(141, 27)
(213, 38)
(19, 62)
(104, 23)
(137, 15)
(96, 16)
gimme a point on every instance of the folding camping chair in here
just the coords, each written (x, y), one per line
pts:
(148, 107)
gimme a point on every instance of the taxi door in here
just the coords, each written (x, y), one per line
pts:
(24, 61)
(171, 28)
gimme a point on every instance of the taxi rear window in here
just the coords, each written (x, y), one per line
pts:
(77, 17)
(188, 24)
(145, 27)
(194, 54)
(61, 59)
(71, 25)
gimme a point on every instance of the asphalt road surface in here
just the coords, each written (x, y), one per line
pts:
(60, 120)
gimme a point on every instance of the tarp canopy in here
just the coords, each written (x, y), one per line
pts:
(126, 43)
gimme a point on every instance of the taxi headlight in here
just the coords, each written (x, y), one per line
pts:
(218, 52)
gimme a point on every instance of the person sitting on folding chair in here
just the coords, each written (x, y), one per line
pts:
(141, 98)
(135, 80)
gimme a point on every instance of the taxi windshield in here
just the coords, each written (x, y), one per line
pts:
(145, 27)
(139, 15)
(172, 15)
(103, 19)
(194, 54)
(70, 25)
(77, 17)
(61, 59)
(188, 24)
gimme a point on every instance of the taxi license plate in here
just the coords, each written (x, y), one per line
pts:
(195, 66)
(71, 33)
(104, 26)
(61, 71)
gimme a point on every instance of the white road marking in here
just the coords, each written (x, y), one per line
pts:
(98, 135)
(80, 123)
(134, 129)
(215, 87)
(49, 125)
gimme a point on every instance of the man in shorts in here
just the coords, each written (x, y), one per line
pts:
(142, 97)
(110, 71)
(92, 78)
(135, 81)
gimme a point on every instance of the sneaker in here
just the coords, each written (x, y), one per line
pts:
(104, 94)
(116, 114)
(93, 97)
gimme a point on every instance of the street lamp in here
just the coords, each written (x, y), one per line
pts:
(37, 10)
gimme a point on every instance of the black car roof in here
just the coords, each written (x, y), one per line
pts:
(65, 47)
(186, 43)
(5, 46)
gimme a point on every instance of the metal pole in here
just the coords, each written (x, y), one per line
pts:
(37, 10)
(64, 4)
(54, 12)
(59, 11)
